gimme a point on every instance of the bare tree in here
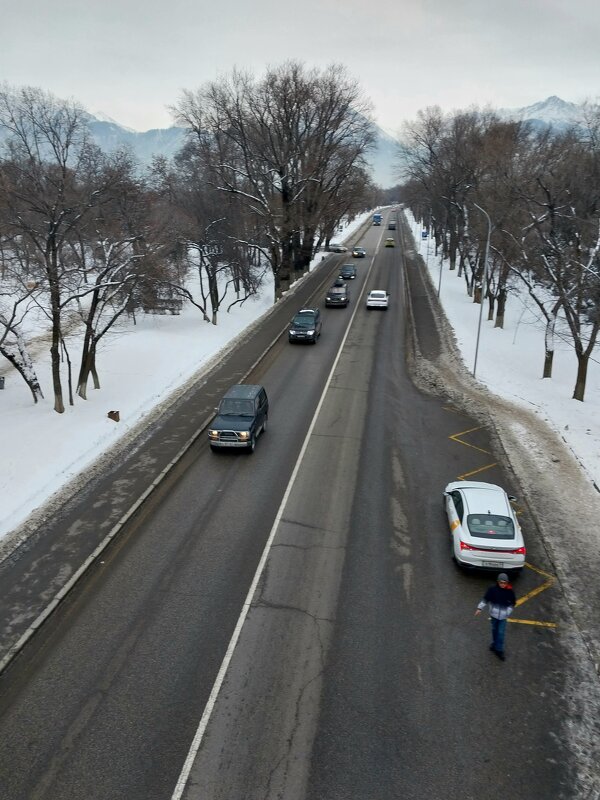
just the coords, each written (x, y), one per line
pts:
(275, 144)
(49, 183)
(212, 237)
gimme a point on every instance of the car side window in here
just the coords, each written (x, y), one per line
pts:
(458, 504)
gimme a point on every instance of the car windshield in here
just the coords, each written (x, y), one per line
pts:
(377, 295)
(303, 321)
(231, 407)
(337, 291)
(490, 526)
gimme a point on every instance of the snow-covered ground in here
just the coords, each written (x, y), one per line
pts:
(510, 361)
(140, 365)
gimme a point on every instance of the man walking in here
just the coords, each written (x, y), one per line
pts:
(500, 600)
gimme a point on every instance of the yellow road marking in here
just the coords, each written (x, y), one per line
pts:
(539, 571)
(455, 438)
(466, 475)
(533, 593)
(534, 622)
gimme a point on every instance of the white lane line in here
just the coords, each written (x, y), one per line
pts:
(208, 710)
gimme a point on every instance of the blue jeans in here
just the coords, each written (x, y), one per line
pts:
(498, 631)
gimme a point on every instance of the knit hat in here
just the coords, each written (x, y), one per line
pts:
(502, 577)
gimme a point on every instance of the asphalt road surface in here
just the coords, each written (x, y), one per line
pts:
(359, 670)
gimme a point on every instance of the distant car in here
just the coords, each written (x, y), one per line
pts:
(337, 296)
(305, 326)
(241, 416)
(389, 242)
(483, 525)
(348, 272)
(392, 225)
(335, 247)
(378, 298)
(359, 252)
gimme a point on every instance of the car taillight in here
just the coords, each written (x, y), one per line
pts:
(520, 551)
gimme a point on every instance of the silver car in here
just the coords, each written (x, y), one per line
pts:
(378, 298)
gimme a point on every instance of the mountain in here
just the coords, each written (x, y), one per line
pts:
(552, 111)
(109, 136)
(384, 159)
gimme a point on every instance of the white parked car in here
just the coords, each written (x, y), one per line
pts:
(336, 247)
(484, 528)
(378, 298)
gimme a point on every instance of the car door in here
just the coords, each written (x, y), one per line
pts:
(455, 510)
(263, 410)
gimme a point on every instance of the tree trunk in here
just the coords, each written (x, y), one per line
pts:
(52, 271)
(548, 359)
(84, 368)
(69, 372)
(25, 370)
(94, 371)
(549, 342)
(453, 248)
(582, 366)
(500, 309)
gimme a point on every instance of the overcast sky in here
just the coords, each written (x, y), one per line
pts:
(131, 58)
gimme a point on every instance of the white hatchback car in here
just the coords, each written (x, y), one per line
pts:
(484, 527)
(378, 298)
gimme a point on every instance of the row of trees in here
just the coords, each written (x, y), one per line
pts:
(530, 198)
(269, 170)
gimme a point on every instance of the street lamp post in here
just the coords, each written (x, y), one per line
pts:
(484, 282)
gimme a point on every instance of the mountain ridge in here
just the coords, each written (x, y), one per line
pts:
(385, 159)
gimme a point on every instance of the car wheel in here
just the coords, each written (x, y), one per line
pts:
(252, 444)
(264, 426)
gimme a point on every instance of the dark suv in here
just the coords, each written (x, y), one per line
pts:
(305, 326)
(337, 296)
(241, 416)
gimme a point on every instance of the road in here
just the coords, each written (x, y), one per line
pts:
(359, 670)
